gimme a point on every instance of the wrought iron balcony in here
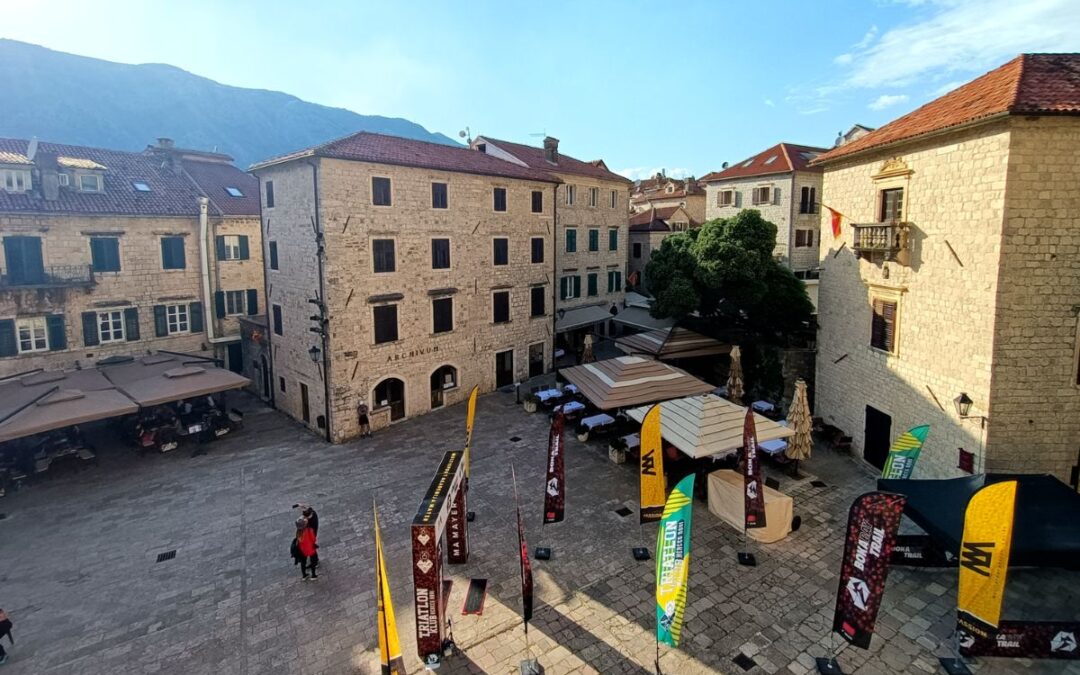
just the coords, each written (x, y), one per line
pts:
(53, 276)
(888, 239)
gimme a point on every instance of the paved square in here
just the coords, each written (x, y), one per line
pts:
(78, 569)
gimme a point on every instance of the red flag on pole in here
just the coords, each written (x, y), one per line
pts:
(835, 217)
(754, 491)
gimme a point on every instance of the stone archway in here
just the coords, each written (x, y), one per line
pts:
(442, 378)
(390, 393)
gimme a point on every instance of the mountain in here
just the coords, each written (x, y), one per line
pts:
(64, 98)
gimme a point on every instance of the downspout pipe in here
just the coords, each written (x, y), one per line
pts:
(555, 281)
(320, 256)
(204, 264)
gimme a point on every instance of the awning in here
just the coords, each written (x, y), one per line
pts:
(639, 317)
(581, 316)
(671, 343)
(701, 426)
(163, 378)
(631, 381)
(63, 408)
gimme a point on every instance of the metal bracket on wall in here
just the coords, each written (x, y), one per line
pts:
(268, 226)
(839, 249)
(953, 251)
(348, 299)
(476, 228)
(840, 359)
(934, 396)
(356, 366)
(346, 227)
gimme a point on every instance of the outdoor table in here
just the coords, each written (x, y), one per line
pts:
(547, 394)
(726, 501)
(559, 353)
(774, 447)
(632, 441)
(763, 407)
(597, 421)
(571, 407)
(572, 388)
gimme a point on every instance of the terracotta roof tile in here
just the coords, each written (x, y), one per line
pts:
(1028, 84)
(534, 157)
(780, 158)
(214, 178)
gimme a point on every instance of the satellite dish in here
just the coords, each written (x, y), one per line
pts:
(724, 165)
(461, 134)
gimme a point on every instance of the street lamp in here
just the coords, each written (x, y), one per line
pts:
(314, 354)
(963, 404)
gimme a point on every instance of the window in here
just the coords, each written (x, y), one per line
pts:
(439, 196)
(276, 310)
(273, 255)
(594, 196)
(892, 205)
(270, 204)
(538, 299)
(570, 287)
(762, 195)
(571, 240)
(382, 253)
(677, 226)
(808, 200)
(537, 201)
(281, 384)
(64, 179)
(883, 325)
(140, 186)
(232, 247)
(176, 319)
(385, 323)
(33, 335)
(614, 281)
(770, 160)
(613, 240)
(614, 199)
(234, 302)
(105, 254)
(571, 194)
(500, 307)
(594, 240)
(592, 284)
(501, 247)
(637, 250)
(110, 326)
(89, 182)
(499, 197)
(725, 198)
(440, 254)
(442, 311)
(380, 191)
(804, 238)
(537, 249)
(16, 180)
(234, 191)
(172, 253)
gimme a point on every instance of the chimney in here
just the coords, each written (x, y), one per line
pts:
(165, 143)
(48, 174)
(551, 149)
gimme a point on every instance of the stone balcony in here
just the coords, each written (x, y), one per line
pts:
(53, 276)
(884, 241)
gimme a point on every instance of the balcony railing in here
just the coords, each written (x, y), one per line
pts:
(885, 238)
(52, 276)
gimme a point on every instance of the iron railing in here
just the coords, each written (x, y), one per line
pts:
(886, 238)
(51, 276)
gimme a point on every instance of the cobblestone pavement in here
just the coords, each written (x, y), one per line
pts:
(78, 570)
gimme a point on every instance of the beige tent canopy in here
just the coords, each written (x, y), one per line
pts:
(163, 378)
(49, 400)
(671, 343)
(701, 426)
(631, 380)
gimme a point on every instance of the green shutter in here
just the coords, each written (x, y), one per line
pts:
(252, 301)
(594, 240)
(90, 328)
(245, 252)
(593, 284)
(577, 286)
(564, 283)
(166, 254)
(161, 324)
(195, 318)
(131, 323)
(571, 241)
(219, 304)
(613, 240)
(8, 345)
(54, 325)
(273, 255)
(219, 246)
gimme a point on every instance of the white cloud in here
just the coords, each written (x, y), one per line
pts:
(843, 59)
(641, 172)
(947, 87)
(769, 102)
(868, 38)
(887, 100)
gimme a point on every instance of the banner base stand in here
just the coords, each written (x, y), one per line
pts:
(748, 560)
(531, 667)
(828, 666)
(954, 666)
(640, 553)
(542, 553)
(470, 516)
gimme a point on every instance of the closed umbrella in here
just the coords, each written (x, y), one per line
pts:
(734, 378)
(798, 418)
(587, 355)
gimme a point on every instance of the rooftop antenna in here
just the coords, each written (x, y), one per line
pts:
(541, 134)
(467, 134)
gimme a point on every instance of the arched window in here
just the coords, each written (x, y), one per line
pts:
(390, 393)
(444, 377)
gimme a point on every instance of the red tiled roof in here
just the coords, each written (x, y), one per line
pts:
(1030, 84)
(780, 158)
(534, 157)
(212, 178)
(654, 220)
(382, 149)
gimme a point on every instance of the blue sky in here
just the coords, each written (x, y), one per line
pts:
(681, 86)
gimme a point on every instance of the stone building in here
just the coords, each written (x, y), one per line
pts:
(117, 253)
(591, 216)
(648, 229)
(955, 279)
(400, 274)
(661, 192)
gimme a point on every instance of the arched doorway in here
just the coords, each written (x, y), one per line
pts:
(391, 393)
(444, 377)
(264, 367)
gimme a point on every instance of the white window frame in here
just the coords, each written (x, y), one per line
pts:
(64, 179)
(16, 180)
(569, 286)
(594, 197)
(37, 334)
(99, 184)
(111, 326)
(177, 319)
(721, 202)
(231, 243)
(571, 194)
(235, 303)
(614, 199)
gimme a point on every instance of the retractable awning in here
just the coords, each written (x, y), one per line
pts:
(631, 381)
(63, 408)
(581, 316)
(164, 378)
(639, 317)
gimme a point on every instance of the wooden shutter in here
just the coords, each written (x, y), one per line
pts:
(131, 324)
(252, 301)
(877, 326)
(273, 255)
(90, 328)
(219, 246)
(888, 314)
(245, 250)
(219, 304)
(775, 192)
(195, 317)
(577, 286)
(57, 331)
(161, 323)
(8, 344)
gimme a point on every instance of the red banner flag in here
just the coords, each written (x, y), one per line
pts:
(753, 490)
(834, 217)
(555, 486)
(523, 556)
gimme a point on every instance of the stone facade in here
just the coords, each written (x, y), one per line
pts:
(642, 245)
(660, 193)
(358, 366)
(986, 302)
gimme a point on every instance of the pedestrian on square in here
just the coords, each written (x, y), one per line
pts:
(5, 629)
(304, 551)
(365, 423)
(311, 515)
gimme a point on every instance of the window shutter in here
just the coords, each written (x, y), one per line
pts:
(89, 328)
(577, 286)
(161, 324)
(888, 315)
(563, 284)
(736, 199)
(273, 255)
(195, 318)
(219, 244)
(131, 323)
(877, 326)
(219, 304)
(8, 346)
(54, 325)
(245, 251)
(252, 301)
(775, 195)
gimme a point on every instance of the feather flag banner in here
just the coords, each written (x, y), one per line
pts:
(673, 562)
(905, 452)
(470, 417)
(651, 468)
(389, 646)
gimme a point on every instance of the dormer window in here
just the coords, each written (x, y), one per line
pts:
(15, 180)
(89, 182)
(234, 192)
(140, 187)
(64, 179)
(770, 160)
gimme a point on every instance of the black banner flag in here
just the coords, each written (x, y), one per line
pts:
(555, 486)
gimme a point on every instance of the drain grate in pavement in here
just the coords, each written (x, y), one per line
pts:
(167, 555)
(515, 439)
(3, 516)
(818, 483)
(623, 511)
(743, 661)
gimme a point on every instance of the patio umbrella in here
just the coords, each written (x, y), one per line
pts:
(734, 378)
(587, 355)
(798, 418)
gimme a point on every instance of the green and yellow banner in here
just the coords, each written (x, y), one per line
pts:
(470, 417)
(984, 558)
(673, 562)
(389, 646)
(651, 468)
(905, 452)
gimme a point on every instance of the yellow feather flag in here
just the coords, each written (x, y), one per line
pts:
(984, 557)
(653, 493)
(389, 646)
(470, 417)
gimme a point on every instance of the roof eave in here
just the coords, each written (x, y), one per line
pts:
(720, 179)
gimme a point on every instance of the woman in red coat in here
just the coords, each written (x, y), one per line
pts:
(306, 548)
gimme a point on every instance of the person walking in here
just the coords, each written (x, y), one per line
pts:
(311, 515)
(304, 551)
(5, 629)
(365, 423)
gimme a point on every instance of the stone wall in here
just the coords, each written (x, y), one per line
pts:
(582, 217)
(650, 241)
